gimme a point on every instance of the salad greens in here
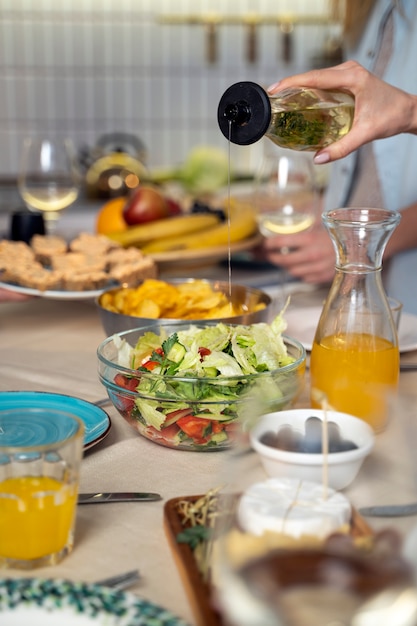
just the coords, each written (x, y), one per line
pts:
(189, 384)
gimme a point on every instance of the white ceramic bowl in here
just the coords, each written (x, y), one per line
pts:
(342, 466)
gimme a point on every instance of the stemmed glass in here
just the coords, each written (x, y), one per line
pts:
(350, 579)
(286, 197)
(286, 194)
(49, 177)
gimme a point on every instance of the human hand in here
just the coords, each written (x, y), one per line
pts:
(381, 110)
(308, 256)
(11, 296)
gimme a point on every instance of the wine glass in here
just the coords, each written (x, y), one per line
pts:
(268, 579)
(286, 193)
(49, 177)
(286, 200)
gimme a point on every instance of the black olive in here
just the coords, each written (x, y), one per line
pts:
(345, 445)
(313, 439)
(288, 439)
(269, 439)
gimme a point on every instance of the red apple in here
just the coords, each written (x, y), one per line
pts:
(146, 204)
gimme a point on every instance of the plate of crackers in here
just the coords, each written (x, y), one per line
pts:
(50, 267)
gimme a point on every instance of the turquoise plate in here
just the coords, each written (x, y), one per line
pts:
(44, 602)
(97, 422)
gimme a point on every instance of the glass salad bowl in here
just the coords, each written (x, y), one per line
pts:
(190, 385)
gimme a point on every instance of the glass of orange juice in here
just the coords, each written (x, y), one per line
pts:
(40, 457)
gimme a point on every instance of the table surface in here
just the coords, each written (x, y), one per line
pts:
(51, 345)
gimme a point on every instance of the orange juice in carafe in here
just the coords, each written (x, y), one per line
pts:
(357, 371)
(354, 360)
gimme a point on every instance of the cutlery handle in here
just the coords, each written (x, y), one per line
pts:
(128, 496)
(395, 510)
(122, 581)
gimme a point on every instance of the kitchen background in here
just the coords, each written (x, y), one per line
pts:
(152, 68)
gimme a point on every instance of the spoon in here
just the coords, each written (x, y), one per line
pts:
(389, 510)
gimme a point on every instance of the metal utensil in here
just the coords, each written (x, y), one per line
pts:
(121, 581)
(389, 510)
(102, 402)
(122, 496)
(408, 367)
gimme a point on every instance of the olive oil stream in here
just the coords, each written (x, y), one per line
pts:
(229, 251)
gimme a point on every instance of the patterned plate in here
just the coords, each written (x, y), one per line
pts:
(43, 602)
(96, 421)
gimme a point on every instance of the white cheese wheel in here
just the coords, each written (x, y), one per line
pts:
(293, 507)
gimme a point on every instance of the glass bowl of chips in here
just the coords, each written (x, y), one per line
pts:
(191, 385)
(125, 308)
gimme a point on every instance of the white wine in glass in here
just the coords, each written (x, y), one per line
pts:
(49, 177)
(286, 195)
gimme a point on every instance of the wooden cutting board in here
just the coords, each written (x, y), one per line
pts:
(200, 593)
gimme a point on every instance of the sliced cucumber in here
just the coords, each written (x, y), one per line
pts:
(219, 437)
(177, 353)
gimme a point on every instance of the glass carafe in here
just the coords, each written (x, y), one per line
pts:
(355, 358)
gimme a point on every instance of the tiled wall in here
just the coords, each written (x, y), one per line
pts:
(83, 68)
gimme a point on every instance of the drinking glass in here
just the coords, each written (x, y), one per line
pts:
(287, 201)
(356, 578)
(286, 195)
(49, 177)
(40, 457)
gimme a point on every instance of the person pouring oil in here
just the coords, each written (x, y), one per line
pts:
(298, 118)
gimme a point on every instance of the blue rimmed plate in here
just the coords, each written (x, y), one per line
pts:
(96, 421)
(44, 602)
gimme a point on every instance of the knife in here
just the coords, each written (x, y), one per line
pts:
(389, 510)
(121, 496)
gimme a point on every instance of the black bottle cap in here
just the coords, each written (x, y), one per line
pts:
(244, 113)
(24, 224)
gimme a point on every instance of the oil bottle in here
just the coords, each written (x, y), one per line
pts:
(299, 119)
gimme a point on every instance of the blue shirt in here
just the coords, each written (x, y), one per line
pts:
(396, 157)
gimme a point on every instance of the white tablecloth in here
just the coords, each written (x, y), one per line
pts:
(51, 345)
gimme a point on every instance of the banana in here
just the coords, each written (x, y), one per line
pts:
(242, 225)
(164, 228)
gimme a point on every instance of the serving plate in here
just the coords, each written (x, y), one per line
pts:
(199, 591)
(204, 255)
(176, 258)
(58, 294)
(302, 324)
(44, 602)
(96, 421)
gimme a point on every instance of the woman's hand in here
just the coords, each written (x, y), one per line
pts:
(11, 296)
(308, 256)
(381, 110)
